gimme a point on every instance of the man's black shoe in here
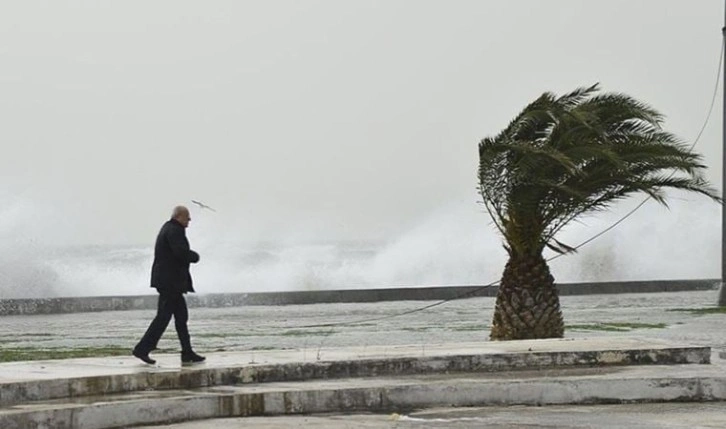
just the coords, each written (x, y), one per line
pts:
(191, 358)
(143, 356)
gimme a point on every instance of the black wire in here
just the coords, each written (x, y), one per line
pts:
(415, 310)
(698, 137)
(594, 237)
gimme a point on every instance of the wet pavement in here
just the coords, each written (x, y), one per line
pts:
(283, 327)
(642, 416)
(569, 352)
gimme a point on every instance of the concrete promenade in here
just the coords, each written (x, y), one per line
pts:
(666, 316)
(259, 354)
(122, 392)
(668, 415)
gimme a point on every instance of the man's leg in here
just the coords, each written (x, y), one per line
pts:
(181, 316)
(157, 327)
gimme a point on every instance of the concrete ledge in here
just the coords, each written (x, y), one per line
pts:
(43, 380)
(10, 307)
(571, 386)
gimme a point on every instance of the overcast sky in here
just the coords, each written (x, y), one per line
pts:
(320, 119)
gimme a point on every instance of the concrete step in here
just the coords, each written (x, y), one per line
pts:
(377, 394)
(21, 382)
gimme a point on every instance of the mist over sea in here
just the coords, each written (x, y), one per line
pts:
(338, 141)
(453, 247)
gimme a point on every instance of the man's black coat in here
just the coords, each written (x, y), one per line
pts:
(172, 256)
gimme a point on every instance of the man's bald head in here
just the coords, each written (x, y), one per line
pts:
(181, 215)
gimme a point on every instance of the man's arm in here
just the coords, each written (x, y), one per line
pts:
(180, 246)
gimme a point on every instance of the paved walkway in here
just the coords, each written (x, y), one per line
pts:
(28, 371)
(641, 416)
(98, 393)
(246, 337)
(282, 327)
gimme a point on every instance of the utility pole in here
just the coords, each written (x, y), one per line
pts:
(722, 293)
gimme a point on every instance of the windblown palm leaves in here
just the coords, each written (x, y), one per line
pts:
(560, 158)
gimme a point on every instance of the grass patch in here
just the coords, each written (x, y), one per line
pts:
(615, 326)
(305, 333)
(703, 310)
(467, 328)
(25, 335)
(228, 334)
(460, 328)
(595, 327)
(638, 325)
(14, 354)
(418, 328)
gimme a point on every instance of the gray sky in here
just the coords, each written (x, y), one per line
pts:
(309, 119)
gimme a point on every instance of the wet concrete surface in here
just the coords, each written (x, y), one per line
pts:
(282, 365)
(643, 416)
(284, 327)
(260, 328)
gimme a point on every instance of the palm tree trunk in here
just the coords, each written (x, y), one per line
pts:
(528, 306)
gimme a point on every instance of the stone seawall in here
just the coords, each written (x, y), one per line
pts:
(10, 307)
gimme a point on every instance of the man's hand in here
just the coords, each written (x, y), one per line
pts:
(193, 257)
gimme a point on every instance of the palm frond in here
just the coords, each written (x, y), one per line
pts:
(562, 157)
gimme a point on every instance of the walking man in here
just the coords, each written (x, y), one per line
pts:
(171, 278)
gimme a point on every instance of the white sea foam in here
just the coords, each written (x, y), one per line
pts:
(456, 245)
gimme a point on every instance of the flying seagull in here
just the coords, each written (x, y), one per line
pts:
(203, 206)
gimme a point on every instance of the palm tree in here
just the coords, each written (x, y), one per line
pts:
(560, 158)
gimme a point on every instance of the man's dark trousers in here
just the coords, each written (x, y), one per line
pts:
(170, 303)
